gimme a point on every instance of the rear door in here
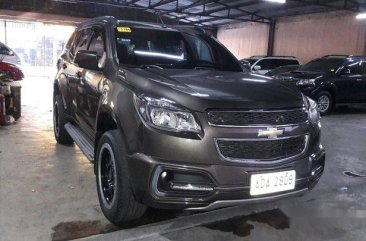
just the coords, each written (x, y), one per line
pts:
(363, 84)
(349, 83)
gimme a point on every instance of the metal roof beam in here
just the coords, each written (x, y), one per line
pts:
(327, 4)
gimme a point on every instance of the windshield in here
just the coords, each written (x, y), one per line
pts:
(142, 47)
(322, 65)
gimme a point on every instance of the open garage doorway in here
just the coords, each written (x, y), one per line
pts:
(38, 44)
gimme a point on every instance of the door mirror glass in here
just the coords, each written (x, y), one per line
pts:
(87, 59)
(257, 67)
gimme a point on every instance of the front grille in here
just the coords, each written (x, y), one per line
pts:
(262, 149)
(245, 118)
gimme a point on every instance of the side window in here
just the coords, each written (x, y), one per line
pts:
(266, 64)
(289, 62)
(71, 40)
(363, 67)
(355, 68)
(97, 43)
(4, 50)
(83, 41)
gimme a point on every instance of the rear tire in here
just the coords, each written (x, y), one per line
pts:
(325, 102)
(113, 183)
(59, 121)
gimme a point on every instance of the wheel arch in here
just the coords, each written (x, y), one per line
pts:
(106, 120)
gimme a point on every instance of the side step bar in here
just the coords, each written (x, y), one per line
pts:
(83, 142)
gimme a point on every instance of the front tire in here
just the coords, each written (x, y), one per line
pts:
(59, 121)
(325, 102)
(113, 183)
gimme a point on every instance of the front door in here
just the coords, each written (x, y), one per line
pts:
(88, 84)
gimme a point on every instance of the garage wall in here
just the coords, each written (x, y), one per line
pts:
(306, 37)
(245, 39)
(316, 35)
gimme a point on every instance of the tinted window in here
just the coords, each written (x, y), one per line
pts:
(355, 68)
(172, 49)
(97, 44)
(267, 64)
(4, 50)
(363, 67)
(83, 40)
(71, 40)
(289, 62)
(327, 65)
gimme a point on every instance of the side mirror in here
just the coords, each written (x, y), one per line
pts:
(257, 67)
(11, 53)
(87, 59)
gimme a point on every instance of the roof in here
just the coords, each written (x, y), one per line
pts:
(221, 12)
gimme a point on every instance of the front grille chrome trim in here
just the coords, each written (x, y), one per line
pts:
(258, 125)
(261, 161)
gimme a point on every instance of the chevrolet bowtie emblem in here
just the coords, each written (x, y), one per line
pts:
(270, 132)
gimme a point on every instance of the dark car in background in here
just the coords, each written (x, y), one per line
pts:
(281, 70)
(331, 80)
(171, 121)
(263, 64)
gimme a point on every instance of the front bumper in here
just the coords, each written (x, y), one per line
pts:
(231, 183)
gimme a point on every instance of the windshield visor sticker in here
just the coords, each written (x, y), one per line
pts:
(124, 29)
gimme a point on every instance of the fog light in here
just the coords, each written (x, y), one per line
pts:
(184, 183)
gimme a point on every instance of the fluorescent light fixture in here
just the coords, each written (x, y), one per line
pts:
(276, 1)
(361, 16)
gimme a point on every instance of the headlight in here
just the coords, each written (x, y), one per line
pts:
(164, 114)
(305, 82)
(314, 114)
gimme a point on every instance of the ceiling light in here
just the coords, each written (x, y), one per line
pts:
(276, 1)
(361, 16)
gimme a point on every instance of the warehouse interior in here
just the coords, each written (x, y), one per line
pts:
(48, 190)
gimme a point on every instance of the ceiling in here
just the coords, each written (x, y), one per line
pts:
(208, 13)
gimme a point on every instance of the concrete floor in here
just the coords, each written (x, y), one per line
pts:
(47, 191)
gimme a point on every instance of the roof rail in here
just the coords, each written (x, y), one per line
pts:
(337, 55)
(357, 56)
(99, 19)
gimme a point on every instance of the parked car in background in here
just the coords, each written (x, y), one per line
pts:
(331, 80)
(171, 120)
(13, 71)
(281, 70)
(8, 55)
(245, 64)
(263, 64)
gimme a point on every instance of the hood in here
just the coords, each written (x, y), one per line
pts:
(297, 75)
(207, 89)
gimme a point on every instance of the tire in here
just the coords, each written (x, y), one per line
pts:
(59, 121)
(325, 102)
(116, 198)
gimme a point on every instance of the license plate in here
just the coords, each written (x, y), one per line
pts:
(272, 182)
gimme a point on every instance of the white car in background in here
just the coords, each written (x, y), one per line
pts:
(263, 64)
(8, 55)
